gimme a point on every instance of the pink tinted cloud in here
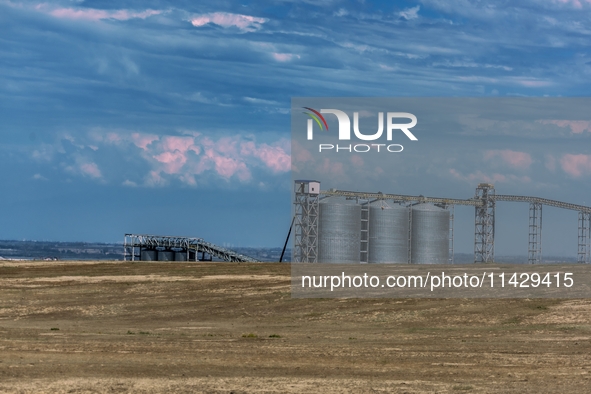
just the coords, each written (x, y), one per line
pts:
(181, 144)
(226, 19)
(143, 140)
(332, 169)
(173, 161)
(274, 157)
(519, 160)
(227, 146)
(94, 14)
(300, 154)
(91, 169)
(357, 161)
(189, 179)
(576, 165)
(284, 57)
(303, 155)
(155, 179)
(576, 126)
(186, 156)
(224, 166)
(113, 138)
(228, 167)
(575, 3)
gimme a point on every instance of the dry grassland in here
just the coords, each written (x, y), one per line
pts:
(93, 327)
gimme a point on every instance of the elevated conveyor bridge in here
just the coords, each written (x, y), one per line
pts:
(187, 247)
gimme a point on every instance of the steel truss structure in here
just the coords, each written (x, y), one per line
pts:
(535, 233)
(484, 202)
(484, 228)
(364, 236)
(133, 244)
(451, 209)
(583, 255)
(306, 223)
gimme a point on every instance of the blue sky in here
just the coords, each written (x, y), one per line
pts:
(174, 117)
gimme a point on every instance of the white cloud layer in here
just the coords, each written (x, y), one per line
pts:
(245, 23)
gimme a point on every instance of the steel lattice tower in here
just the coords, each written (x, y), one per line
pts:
(535, 233)
(583, 255)
(306, 221)
(451, 210)
(484, 231)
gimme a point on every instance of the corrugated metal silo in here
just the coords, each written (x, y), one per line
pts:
(180, 256)
(388, 233)
(148, 255)
(430, 235)
(165, 255)
(339, 230)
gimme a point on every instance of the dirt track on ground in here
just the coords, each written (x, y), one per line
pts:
(221, 328)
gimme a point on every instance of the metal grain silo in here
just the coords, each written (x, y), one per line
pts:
(148, 255)
(339, 230)
(165, 255)
(430, 235)
(180, 256)
(388, 233)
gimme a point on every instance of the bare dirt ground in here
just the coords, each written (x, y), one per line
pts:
(83, 327)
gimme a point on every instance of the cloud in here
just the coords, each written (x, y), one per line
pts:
(519, 160)
(274, 157)
(259, 101)
(227, 167)
(576, 126)
(469, 64)
(479, 176)
(284, 57)
(172, 161)
(46, 152)
(39, 177)
(575, 3)
(129, 183)
(333, 170)
(89, 169)
(153, 178)
(410, 13)
(245, 23)
(300, 154)
(386, 67)
(576, 165)
(96, 14)
(157, 160)
(357, 161)
(182, 144)
(532, 82)
(143, 140)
